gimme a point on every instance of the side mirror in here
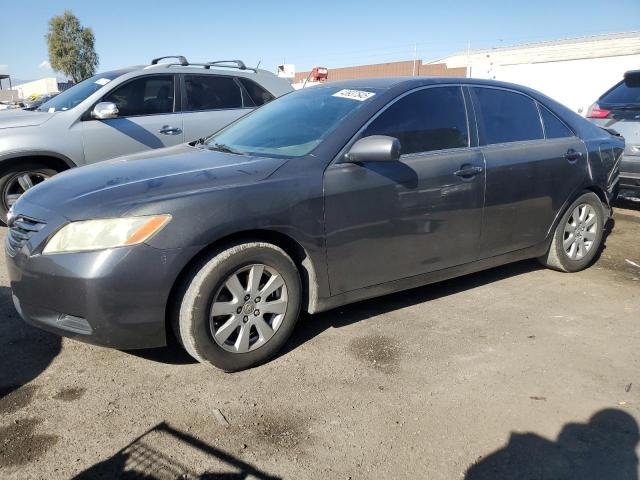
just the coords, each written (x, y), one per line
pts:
(376, 148)
(105, 110)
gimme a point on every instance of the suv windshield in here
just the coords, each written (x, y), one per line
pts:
(78, 93)
(622, 93)
(292, 125)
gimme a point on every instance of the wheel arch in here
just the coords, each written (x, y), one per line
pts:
(591, 188)
(52, 160)
(306, 268)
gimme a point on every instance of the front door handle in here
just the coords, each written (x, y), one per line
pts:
(168, 130)
(572, 155)
(468, 171)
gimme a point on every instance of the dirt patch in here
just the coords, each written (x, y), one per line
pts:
(13, 399)
(70, 394)
(378, 351)
(274, 432)
(20, 445)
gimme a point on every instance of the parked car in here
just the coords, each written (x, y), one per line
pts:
(619, 109)
(126, 111)
(323, 197)
(32, 104)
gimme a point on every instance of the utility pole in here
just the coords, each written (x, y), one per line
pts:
(415, 57)
(468, 58)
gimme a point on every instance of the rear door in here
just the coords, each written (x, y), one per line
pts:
(533, 168)
(211, 102)
(391, 220)
(148, 118)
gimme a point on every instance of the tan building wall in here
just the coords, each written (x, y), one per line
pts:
(392, 69)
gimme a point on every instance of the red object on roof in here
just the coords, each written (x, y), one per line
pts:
(320, 73)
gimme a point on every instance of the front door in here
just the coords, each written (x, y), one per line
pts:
(391, 220)
(147, 119)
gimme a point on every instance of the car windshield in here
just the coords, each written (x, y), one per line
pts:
(293, 125)
(78, 93)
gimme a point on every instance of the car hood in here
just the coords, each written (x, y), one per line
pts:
(23, 118)
(115, 187)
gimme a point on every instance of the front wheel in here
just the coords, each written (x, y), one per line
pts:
(16, 180)
(237, 308)
(578, 236)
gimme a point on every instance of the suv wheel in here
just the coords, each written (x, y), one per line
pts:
(237, 308)
(17, 180)
(578, 235)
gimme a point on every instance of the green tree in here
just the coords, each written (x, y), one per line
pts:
(71, 47)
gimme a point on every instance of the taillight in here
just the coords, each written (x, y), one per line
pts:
(596, 112)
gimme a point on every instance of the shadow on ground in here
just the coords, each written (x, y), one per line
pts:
(162, 453)
(311, 326)
(603, 448)
(25, 351)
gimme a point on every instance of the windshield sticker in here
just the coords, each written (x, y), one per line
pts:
(51, 109)
(359, 95)
(102, 81)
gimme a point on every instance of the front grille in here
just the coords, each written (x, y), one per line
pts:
(20, 231)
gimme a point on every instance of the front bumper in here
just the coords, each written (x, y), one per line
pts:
(630, 172)
(115, 298)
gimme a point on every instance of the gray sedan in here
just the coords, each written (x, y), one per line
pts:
(325, 196)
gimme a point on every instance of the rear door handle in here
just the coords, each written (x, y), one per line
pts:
(572, 155)
(468, 171)
(168, 130)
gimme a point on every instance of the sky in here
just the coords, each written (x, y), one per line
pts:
(306, 33)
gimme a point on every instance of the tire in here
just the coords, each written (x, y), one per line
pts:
(11, 188)
(204, 303)
(589, 229)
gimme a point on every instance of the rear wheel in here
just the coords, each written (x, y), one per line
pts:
(578, 235)
(236, 309)
(16, 180)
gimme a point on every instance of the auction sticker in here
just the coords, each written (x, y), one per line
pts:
(102, 81)
(359, 95)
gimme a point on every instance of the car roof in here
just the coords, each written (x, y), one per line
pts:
(413, 82)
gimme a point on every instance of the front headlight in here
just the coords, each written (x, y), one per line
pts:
(105, 233)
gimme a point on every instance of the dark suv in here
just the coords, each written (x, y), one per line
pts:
(325, 196)
(619, 109)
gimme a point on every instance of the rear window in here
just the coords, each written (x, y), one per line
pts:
(209, 92)
(506, 116)
(622, 93)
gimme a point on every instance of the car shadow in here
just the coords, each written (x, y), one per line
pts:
(25, 351)
(311, 326)
(602, 448)
(145, 458)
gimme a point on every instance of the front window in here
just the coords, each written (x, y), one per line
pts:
(150, 95)
(78, 93)
(292, 125)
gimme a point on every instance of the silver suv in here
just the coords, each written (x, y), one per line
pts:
(126, 111)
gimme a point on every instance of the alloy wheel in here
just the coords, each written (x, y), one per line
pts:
(19, 184)
(580, 231)
(248, 309)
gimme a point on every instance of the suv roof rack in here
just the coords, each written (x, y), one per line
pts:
(183, 62)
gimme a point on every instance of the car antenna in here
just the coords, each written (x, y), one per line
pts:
(259, 62)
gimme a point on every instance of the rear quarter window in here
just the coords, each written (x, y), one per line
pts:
(553, 127)
(258, 95)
